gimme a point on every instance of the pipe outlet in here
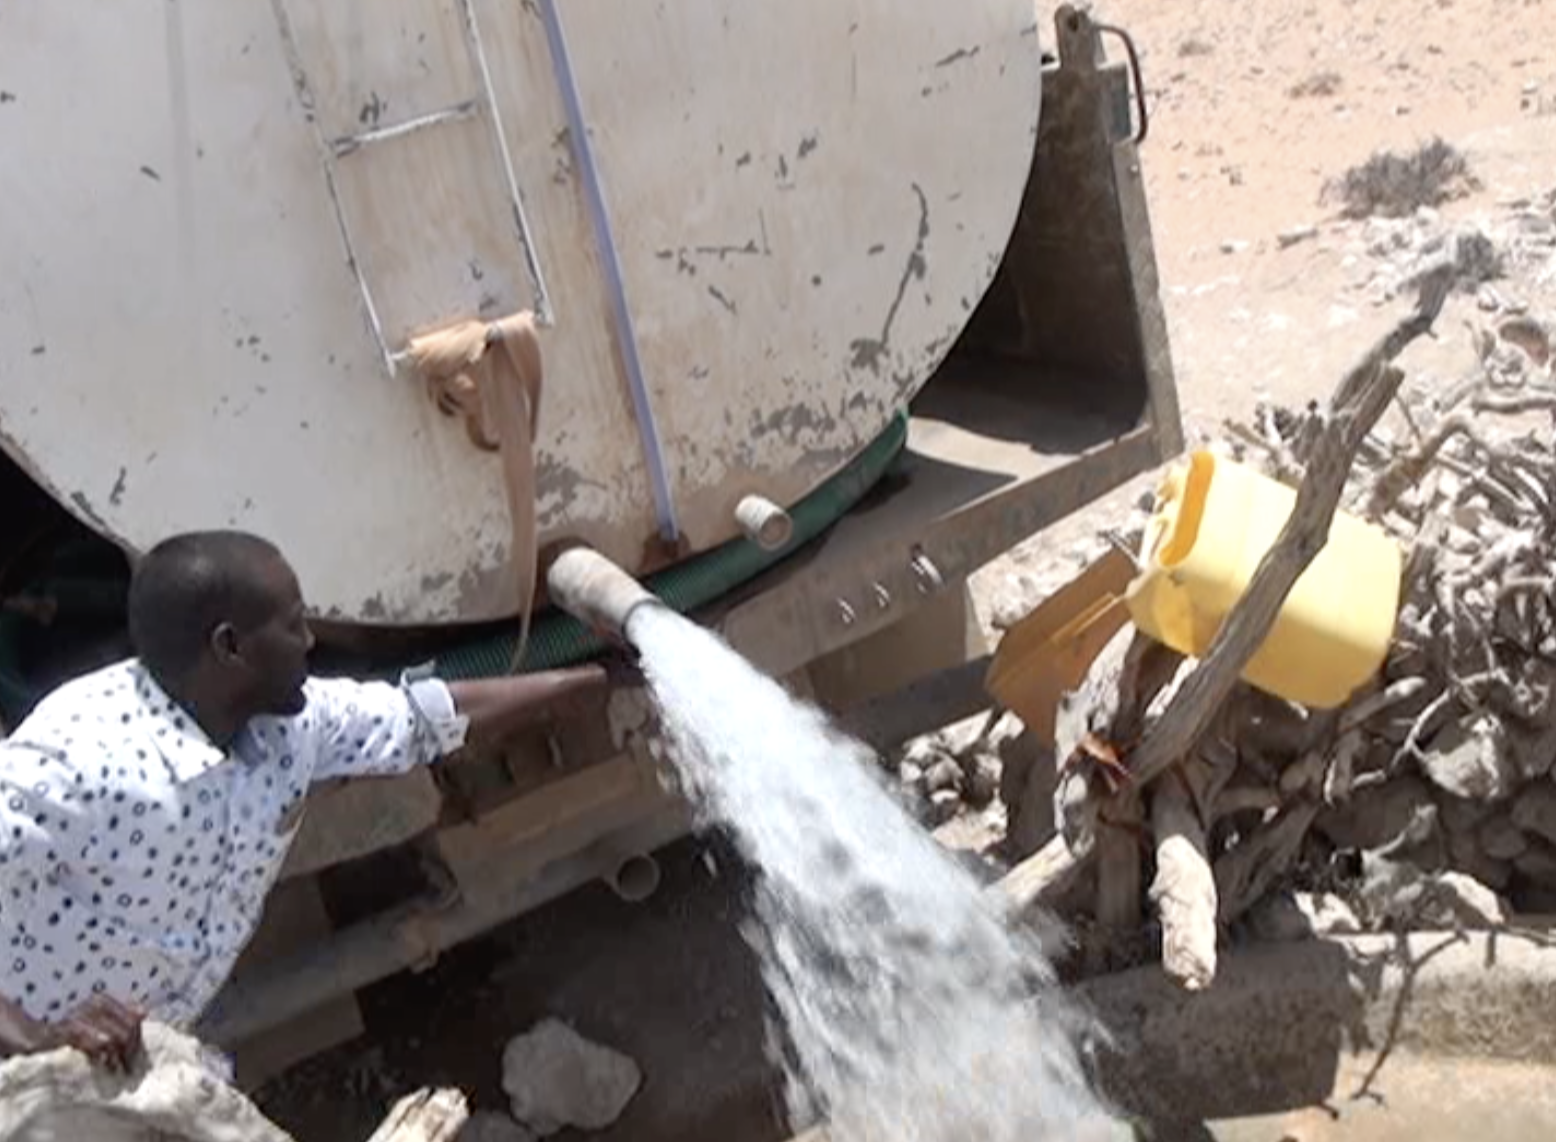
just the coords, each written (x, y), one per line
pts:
(595, 591)
(764, 523)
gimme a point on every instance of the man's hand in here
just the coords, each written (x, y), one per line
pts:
(105, 1030)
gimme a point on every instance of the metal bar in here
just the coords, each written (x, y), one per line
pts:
(594, 194)
(940, 699)
(477, 47)
(346, 144)
(406, 937)
(294, 62)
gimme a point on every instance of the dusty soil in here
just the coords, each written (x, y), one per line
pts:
(1254, 107)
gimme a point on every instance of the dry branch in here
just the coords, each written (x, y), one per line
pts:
(1184, 890)
(425, 1115)
(1250, 870)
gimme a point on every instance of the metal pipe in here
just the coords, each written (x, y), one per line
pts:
(595, 591)
(410, 936)
(635, 878)
(764, 523)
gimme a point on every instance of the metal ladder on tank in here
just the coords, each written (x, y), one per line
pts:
(482, 104)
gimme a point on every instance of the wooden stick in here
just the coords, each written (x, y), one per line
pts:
(425, 1115)
(1042, 879)
(1363, 396)
(1247, 872)
(1184, 890)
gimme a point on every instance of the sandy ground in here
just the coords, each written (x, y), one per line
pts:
(1254, 107)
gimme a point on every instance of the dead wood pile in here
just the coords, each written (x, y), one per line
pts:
(1432, 789)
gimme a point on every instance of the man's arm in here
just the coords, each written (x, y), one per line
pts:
(378, 729)
(498, 707)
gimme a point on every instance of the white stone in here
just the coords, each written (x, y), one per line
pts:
(556, 1078)
(1454, 900)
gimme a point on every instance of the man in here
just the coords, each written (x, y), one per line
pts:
(146, 809)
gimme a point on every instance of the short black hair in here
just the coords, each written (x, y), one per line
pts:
(188, 585)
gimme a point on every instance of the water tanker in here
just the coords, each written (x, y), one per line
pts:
(799, 313)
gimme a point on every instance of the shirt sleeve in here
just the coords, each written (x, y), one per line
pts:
(382, 729)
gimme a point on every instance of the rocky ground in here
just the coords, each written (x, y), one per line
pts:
(1258, 114)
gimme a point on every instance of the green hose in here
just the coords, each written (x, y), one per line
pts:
(558, 639)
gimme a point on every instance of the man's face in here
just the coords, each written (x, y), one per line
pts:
(276, 651)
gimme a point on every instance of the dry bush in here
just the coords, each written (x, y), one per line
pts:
(1192, 47)
(1316, 85)
(1393, 185)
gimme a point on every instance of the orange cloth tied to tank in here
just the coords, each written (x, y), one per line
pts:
(491, 372)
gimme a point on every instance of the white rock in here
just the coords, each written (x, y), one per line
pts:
(1233, 246)
(1466, 759)
(1296, 234)
(488, 1126)
(1452, 899)
(556, 1078)
(943, 805)
(944, 774)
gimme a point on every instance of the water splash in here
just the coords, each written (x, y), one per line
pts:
(910, 1010)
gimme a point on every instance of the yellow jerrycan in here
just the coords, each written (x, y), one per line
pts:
(1214, 521)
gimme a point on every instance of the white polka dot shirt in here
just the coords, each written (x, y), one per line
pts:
(135, 856)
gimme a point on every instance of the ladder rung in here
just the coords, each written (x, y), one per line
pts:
(346, 144)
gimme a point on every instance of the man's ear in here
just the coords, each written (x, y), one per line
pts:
(224, 644)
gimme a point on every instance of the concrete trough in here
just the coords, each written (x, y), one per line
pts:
(1365, 1038)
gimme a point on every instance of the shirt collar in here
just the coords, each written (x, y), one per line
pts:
(175, 735)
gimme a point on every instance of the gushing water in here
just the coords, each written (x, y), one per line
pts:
(910, 1010)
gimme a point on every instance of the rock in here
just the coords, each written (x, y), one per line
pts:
(1291, 237)
(556, 1078)
(942, 775)
(1529, 335)
(489, 1126)
(1534, 811)
(1500, 837)
(1376, 815)
(910, 777)
(1453, 899)
(980, 780)
(943, 805)
(1302, 916)
(1467, 760)
(1466, 855)
(1538, 863)
(1233, 246)
(1461, 816)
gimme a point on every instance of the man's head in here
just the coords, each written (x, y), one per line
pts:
(219, 614)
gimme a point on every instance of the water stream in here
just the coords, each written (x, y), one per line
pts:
(908, 1010)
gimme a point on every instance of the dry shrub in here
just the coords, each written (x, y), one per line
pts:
(1391, 185)
(1316, 85)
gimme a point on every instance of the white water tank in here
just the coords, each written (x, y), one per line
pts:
(753, 230)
